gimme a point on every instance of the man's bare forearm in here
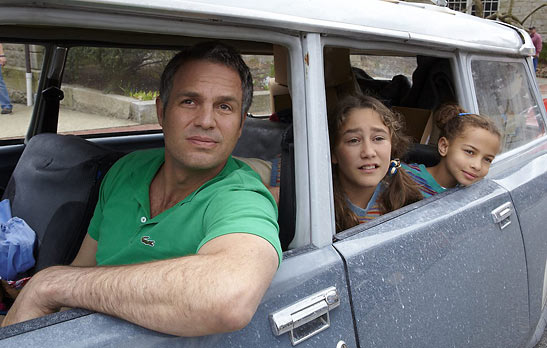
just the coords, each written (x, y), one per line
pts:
(189, 296)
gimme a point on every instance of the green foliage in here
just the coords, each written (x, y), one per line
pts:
(143, 95)
(543, 55)
(115, 70)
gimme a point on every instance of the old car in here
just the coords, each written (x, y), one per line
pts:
(465, 268)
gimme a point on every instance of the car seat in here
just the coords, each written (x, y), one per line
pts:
(54, 188)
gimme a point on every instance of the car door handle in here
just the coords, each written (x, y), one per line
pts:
(313, 311)
(502, 214)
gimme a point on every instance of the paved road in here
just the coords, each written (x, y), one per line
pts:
(15, 125)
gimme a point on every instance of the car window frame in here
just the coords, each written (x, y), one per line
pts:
(369, 45)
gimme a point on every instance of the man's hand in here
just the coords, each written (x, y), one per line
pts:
(33, 301)
(216, 290)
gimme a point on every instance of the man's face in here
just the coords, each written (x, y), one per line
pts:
(202, 121)
(532, 32)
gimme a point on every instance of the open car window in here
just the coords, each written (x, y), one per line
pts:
(509, 101)
(113, 89)
(21, 74)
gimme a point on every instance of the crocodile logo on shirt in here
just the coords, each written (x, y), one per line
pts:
(147, 241)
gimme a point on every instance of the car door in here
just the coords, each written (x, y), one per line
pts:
(307, 303)
(440, 272)
(522, 170)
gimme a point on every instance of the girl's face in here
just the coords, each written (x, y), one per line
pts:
(362, 152)
(468, 156)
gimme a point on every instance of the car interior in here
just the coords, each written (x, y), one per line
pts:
(55, 184)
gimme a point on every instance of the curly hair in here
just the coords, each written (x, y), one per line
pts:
(400, 189)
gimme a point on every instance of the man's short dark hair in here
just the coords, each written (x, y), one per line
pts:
(215, 52)
(531, 28)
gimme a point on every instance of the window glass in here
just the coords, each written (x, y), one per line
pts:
(384, 67)
(505, 94)
(489, 6)
(114, 89)
(20, 88)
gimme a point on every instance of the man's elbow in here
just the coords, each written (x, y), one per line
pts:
(235, 316)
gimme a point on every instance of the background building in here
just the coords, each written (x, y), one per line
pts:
(521, 9)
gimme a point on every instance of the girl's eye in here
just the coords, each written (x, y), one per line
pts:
(469, 152)
(353, 141)
(379, 138)
(489, 160)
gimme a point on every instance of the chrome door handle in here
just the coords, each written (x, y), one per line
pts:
(502, 214)
(312, 311)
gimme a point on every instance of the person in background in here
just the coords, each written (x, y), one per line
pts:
(467, 145)
(366, 140)
(5, 102)
(536, 40)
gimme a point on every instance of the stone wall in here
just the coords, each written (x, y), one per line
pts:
(15, 54)
(14, 72)
(522, 8)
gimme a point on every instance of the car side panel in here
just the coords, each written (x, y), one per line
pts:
(299, 276)
(528, 188)
(441, 275)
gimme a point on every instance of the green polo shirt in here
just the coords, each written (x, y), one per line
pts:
(235, 201)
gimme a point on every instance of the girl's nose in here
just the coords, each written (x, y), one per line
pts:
(367, 150)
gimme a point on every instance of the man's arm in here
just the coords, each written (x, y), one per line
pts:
(86, 254)
(217, 290)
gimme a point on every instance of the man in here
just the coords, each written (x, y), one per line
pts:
(195, 229)
(5, 102)
(536, 40)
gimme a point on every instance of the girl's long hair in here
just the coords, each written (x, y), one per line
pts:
(399, 189)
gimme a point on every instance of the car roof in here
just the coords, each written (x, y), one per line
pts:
(420, 24)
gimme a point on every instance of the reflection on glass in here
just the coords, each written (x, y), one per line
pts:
(505, 94)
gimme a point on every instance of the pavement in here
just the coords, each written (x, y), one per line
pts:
(15, 125)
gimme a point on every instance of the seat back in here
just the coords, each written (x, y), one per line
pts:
(287, 190)
(54, 188)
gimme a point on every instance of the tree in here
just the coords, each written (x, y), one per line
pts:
(506, 17)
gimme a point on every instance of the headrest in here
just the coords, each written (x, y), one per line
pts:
(280, 99)
(281, 65)
(337, 66)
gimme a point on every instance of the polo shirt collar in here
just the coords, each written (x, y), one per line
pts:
(142, 177)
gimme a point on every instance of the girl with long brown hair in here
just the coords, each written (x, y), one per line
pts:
(366, 141)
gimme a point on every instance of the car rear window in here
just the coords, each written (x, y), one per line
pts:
(505, 94)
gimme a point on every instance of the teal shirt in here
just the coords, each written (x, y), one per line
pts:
(425, 181)
(235, 201)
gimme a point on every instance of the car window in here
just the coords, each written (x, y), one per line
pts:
(384, 67)
(110, 89)
(413, 85)
(21, 75)
(505, 94)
